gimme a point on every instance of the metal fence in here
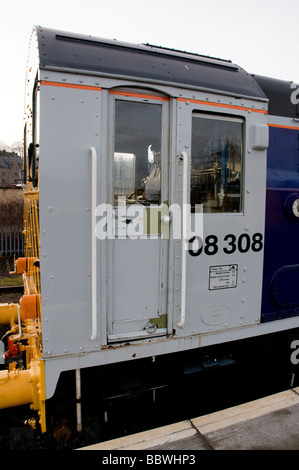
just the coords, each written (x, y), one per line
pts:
(11, 241)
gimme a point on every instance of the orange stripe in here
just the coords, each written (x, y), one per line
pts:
(283, 127)
(71, 85)
(138, 95)
(222, 105)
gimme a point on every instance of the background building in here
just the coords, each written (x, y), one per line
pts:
(10, 169)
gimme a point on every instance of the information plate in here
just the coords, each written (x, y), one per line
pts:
(223, 277)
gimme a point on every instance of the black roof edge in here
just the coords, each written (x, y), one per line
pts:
(151, 49)
(279, 92)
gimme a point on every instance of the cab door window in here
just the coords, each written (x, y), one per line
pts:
(137, 151)
(216, 163)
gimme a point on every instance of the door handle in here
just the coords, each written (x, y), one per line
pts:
(165, 220)
(184, 158)
(93, 244)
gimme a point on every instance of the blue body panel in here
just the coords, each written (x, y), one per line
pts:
(281, 254)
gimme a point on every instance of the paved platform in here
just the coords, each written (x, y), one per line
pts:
(270, 423)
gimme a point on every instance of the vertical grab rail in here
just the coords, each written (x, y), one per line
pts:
(78, 400)
(93, 244)
(184, 157)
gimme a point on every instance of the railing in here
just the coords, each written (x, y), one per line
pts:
(11, 241)
(31, 238)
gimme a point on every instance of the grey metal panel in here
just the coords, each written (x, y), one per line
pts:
(71, 122)
(72, 51)
(208, 309)
(136, 284)
(156, 347)
(65, 216)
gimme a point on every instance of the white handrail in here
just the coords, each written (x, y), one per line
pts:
(184, 233)
(93, 243)
(78, 400)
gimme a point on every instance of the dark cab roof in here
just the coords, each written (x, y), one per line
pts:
(67, 51)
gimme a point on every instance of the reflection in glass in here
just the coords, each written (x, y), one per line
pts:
(216, 163)
(124, 173)
(137, 152)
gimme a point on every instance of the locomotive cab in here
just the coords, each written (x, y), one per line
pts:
(159, 200)
(146, 169)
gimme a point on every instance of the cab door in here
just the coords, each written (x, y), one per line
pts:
(226, 153)
(137, 250)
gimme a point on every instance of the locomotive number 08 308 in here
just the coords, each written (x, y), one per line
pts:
(243, 243)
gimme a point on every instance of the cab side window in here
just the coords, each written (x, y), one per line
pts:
(216, 163)
(31, 133)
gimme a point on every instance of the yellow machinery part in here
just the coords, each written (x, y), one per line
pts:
(26, 386)
(29, 309)
(30, 306)
(17, 387)
(23, 387)
(23, 265)
(8, 314)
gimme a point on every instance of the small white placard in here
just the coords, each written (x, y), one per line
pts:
(223, 277)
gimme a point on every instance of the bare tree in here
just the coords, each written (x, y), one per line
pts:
(17, 147)
(4, 146)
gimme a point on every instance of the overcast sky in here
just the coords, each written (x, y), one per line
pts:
(259, 35)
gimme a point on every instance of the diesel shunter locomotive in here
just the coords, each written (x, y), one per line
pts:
(161, 217)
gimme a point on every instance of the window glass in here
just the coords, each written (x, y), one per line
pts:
(216, 163)
(33, 148)
(137, 152)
